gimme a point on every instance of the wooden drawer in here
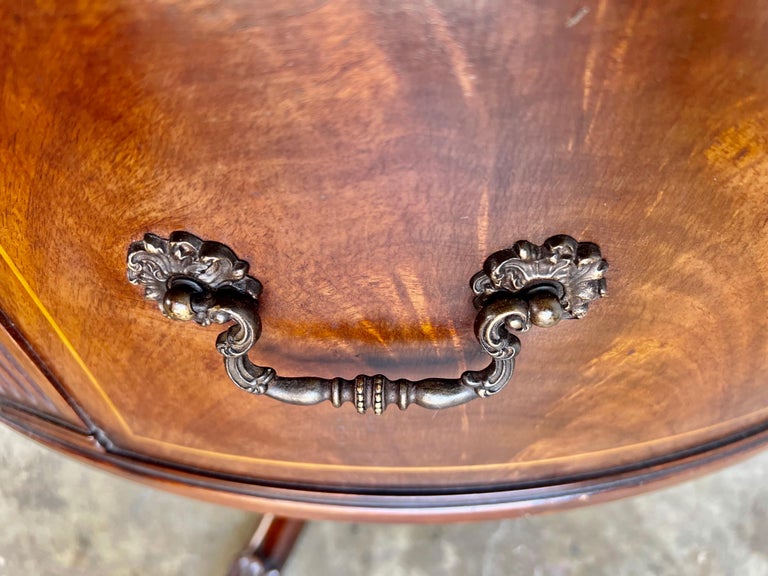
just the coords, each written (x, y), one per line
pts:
(365, 158)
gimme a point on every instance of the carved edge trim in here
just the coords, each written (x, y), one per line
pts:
(503, 499)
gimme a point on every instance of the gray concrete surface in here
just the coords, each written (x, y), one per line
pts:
(59, 517)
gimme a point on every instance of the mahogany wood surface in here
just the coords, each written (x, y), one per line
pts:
(365, 158)
(489, 503)
(269, 547)
(24, 386)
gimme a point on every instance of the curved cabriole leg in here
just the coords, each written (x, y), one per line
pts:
(518, 287)
(269, 547)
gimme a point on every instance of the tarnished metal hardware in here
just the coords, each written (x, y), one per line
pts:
(521, 286)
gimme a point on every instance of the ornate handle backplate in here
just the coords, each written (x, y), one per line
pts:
(524, 285)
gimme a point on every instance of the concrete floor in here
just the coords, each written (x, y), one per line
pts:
(58, 517)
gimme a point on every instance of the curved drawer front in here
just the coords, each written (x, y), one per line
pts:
(365, 159)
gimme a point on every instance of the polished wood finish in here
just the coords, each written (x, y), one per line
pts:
(25, 386)
(424, 507)
(269, 547)
(365, 158)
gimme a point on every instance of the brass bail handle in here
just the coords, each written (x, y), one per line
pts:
(519, 287)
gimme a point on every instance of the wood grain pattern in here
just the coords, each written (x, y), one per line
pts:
(315, 503)
(365, 158)
(16, 386)
(24, 386)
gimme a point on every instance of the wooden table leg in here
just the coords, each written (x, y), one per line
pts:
(269, 547)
